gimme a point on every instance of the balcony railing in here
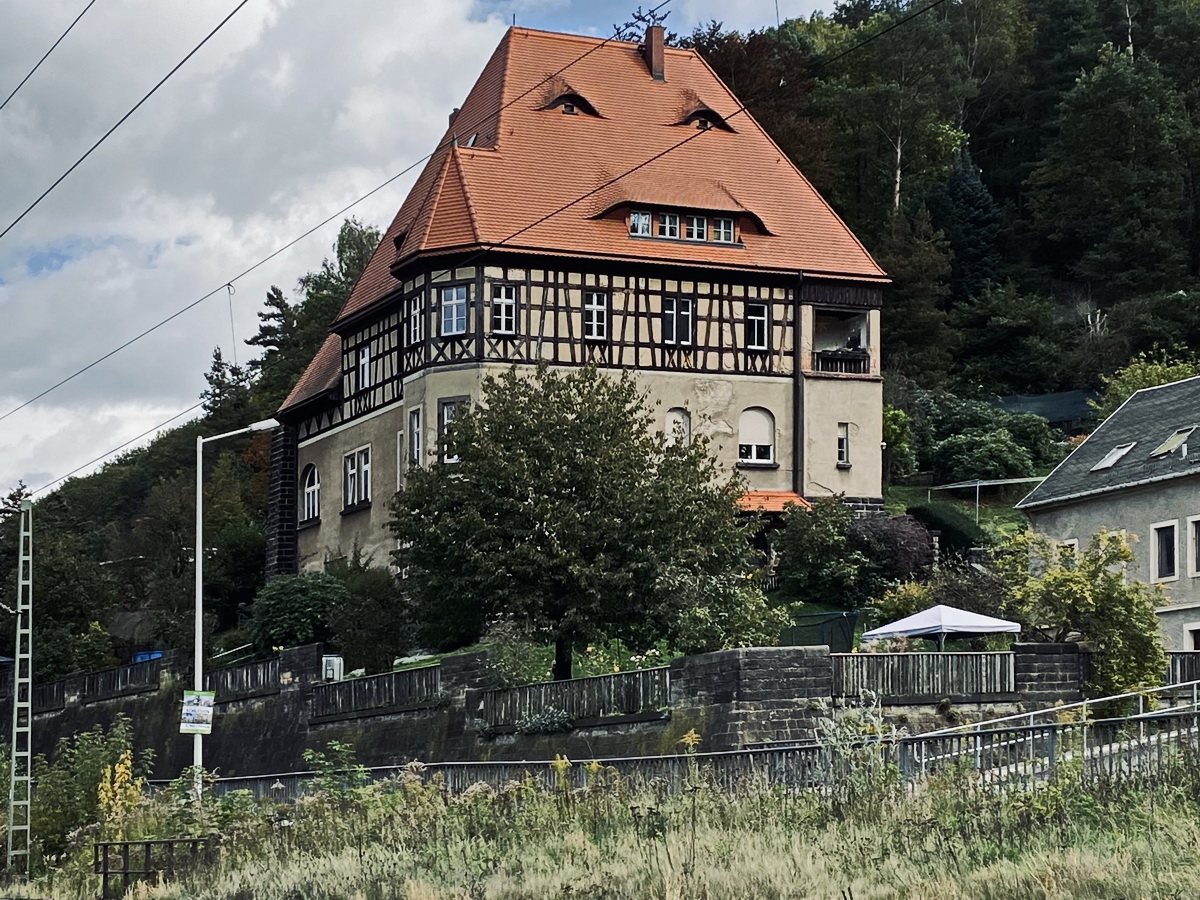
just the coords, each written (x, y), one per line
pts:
(842, 362)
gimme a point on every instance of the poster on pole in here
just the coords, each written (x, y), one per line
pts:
(197, 712)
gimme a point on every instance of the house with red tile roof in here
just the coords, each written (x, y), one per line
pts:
(594, 202)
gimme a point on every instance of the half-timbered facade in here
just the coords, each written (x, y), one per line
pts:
(622, 212)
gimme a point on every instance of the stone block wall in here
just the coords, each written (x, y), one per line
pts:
(1045, 673)
(282, 503)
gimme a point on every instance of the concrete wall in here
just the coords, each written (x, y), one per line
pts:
(1135, 512)
(732, 698)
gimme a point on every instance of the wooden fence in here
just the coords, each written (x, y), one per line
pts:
(922, 675)
(622, 694)
(131, 679)
(391, 689)
(48, 697)
(248, 680)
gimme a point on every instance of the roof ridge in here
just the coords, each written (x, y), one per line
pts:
(472, 215)
(425, 214)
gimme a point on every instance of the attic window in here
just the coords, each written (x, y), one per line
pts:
(571, 105)
(398, 240)
(1174, 442)
(471, 140)
(704, 119)
(1113, 455)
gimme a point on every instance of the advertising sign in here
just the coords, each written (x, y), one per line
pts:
(197, 712)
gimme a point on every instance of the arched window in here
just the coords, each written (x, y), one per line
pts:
(679, 426)
(756, 436)
(310, 494)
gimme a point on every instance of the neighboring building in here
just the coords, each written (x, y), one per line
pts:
(1068, 410)
(1139, 473)
(556, 223)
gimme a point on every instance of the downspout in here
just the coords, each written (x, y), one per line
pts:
(797, 395)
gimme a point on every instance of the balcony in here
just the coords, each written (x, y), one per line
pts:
(842, 362)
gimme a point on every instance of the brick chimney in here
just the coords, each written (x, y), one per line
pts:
(453, 115)
(652, 50)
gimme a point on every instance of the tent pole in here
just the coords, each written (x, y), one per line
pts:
(941, 642)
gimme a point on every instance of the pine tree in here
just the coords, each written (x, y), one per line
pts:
(966, 213)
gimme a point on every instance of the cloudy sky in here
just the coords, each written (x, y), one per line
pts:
(292, 111)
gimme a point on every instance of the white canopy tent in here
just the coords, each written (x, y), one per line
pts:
(940, 621)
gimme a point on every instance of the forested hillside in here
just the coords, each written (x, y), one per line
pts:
(1028, 171)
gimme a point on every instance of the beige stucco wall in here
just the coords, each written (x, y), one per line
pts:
(827, 402)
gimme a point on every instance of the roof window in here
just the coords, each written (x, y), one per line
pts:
(572, 104)
(1174, 442)
(1111, 458)
(704, 118)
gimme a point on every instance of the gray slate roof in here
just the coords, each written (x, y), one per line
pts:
(1066, 406)
(1148, 418)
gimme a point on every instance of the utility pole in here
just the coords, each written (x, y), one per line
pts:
(20, 782)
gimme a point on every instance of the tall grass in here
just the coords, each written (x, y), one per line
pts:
(867, 836)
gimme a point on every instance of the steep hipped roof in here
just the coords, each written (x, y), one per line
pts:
(502, 172)
(1121, 453)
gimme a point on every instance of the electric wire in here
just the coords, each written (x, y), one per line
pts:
(743, 108)
(121, 121)
(266, 259)
(38, 64)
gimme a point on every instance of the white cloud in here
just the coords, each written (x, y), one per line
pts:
(290, 112)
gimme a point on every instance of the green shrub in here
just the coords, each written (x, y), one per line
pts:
(959, 532)
(295, 609)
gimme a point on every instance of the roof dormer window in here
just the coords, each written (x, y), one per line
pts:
(704, 119)
(1174, 442)
(572, 105)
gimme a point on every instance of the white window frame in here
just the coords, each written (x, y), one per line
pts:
(452, 317)
(722, 230)
(595, 316)
(683, 418)
(364, 368)
(414, 436)
(753, 322)
(695, 228)
(310, 494)
(447, 409)
(1113, 456)
(668, 225)
(677, 320)
(1193, 545)
(504, 309)
(1155, 576)
(641, 223)
(356, 478)
(416, 321)
(843, 445)
(757, 454)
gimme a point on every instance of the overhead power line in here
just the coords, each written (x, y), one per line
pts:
(741, 109)
(270, 256)
(38, 64)
(120, 122)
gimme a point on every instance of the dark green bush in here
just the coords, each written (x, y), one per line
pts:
(959, 532)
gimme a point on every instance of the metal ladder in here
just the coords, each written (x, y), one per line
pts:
(20, 785)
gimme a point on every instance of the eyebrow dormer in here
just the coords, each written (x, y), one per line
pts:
(572, 104)
(704, 118)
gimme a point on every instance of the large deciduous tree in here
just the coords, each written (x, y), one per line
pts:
(571, 516)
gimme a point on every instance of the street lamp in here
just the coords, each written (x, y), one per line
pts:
(198, 667)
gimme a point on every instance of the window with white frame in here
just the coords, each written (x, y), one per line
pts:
(639, 223)
(310, 494)
(414, 437)
(447, 410)
(677, 320)
(356, 480)
(668, 225)
(843, 445)
(1164, 563)
(1193, 544)
(722, 230)
(415, 327)
(504, 309)
(595, 316)
(364, 368)
(756, 326)
(454, 310)
(678, 426)
(756, 436)
(695, 228)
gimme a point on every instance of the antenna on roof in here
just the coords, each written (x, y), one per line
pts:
(514, 20)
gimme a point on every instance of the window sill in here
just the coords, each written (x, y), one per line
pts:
(357, 507)
(1167, 580)
(670, 240)
(761, 351)
(308, 523)
(844, 465)
(756, 464)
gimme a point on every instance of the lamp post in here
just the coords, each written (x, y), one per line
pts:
(198, 666)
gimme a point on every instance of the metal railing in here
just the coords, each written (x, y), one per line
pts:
(1183, 666)
(620, 694)
(923, 675)
(391, 689)
(121, 680)
(842, 362)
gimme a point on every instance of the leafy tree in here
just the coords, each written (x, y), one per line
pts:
(900, 460)
(375, 623)
(1010, 343)
(569, 515)
(1109, 189)
(1143, 371)
(981, 454)
(295, 609)
(1056, 593)
(73, 594)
